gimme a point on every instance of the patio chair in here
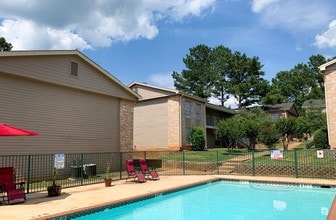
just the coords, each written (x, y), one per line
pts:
(150, 174)
(9, 189)
(138, 177)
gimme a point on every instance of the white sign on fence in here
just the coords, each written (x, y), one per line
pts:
(276, 154)
(59, 161)
(319, 154)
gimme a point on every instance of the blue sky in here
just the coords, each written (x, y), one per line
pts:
(146, 40)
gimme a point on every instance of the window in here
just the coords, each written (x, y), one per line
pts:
(275, 116)
(73, 68)
(187, 118)
(187, 109)
(198, 114)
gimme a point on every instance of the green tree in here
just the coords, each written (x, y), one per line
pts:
(244, 79)
(197, 138)
(217, 71)
(321, 138)
(231, 129)
(311, 121)
(268, 135)
(314, 62)
(199, 77)
(303, 128)
(274, 96)
(296, 84)
(286, 127)
(301, 83)
(251, 123)
(221, 67)
(4, 45)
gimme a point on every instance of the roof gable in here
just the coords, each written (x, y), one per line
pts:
(325, 66)
(128, 93)
(287, 107)
(147, 91)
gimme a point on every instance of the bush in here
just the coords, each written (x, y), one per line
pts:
(321, 138)
(197, 138)
(269, 136)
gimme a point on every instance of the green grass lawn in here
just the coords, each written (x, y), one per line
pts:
(302, 158)
(210, 155)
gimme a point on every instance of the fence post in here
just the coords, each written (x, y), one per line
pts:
(253, 164)
(217, 163)
(120, 161)
(28, 173)
(183, 163)
(296, 164)
(82, 171)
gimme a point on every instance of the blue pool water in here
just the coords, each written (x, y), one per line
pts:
(229, 200)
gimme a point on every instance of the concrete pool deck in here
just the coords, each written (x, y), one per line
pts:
(40, 206)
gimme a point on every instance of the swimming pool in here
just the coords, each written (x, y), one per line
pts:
(227, 200)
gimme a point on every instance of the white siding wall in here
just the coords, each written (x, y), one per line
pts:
(68, 120)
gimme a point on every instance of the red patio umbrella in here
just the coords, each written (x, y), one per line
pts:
(7, 130)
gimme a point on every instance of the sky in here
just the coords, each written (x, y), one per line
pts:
(146, 40)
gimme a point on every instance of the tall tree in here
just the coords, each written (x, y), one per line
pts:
(219, 72)
(198, 79)
(314, 62)
(221, 67)
(4, 45)
(299, 84)
(244, 79)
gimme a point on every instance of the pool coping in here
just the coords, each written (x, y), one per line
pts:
(269, 180)
(120, 202)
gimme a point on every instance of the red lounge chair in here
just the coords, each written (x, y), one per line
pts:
(138, 177)
(9, 190)
(152, 174)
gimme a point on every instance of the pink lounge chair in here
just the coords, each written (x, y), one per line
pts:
(138, 177)
(9, 190)
(150, 174)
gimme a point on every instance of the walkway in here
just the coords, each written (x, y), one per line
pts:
(40, 206)
(229, 166)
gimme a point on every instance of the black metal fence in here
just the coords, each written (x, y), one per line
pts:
(89, 168)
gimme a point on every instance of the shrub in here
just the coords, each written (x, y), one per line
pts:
(269, 135)
(321, 138)
(197, 138)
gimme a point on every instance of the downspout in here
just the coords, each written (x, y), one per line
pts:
(180, 119)
(205, 127)
(323, 72)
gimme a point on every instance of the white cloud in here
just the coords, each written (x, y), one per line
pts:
(328, 38)
(37, 37)
(294, 15)
(230, 103)
(82, 24)
(259, 5)
(162, 79)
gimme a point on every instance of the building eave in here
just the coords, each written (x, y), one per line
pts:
(69, 53)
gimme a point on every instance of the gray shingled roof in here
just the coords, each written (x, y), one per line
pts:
(289, 106)
(314, 102)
